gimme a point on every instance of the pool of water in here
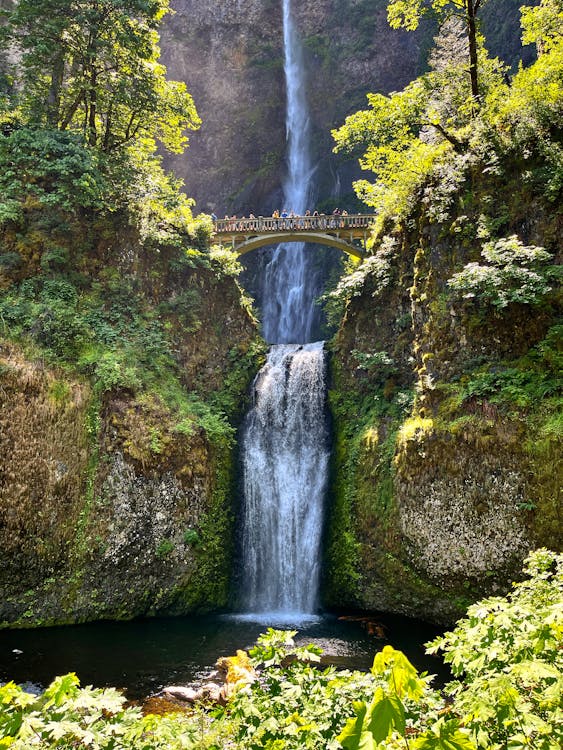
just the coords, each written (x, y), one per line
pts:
(142, 656)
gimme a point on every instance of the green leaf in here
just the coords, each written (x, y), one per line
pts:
(402, 677)
(61, 688)
(353, 736)
(386, 713)
(444, 735)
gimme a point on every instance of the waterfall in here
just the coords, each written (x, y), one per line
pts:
(284, 446)
(289, 287)
(285, 459)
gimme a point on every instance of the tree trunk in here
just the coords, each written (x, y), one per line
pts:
(54, 98)
(92, 110)
(107, 136)
(471, 9)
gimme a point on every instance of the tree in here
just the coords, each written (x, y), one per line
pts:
(543, 25)
(92, 66)
(407, 14)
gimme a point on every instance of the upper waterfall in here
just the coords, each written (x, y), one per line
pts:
(290, 282)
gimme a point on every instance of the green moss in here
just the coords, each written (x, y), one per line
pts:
(362, 509)
(207, 587)
(164, 548)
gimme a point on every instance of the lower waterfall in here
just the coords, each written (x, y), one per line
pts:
(285, 453)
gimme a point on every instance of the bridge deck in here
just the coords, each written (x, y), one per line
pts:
(356, 223)
(343, 232)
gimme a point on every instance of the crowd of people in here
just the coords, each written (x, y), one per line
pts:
(285, 220)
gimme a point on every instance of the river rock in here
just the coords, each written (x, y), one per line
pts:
(179, 693)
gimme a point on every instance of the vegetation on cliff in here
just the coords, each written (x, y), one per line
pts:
(446, 369)
(124, 337)
(505, 656)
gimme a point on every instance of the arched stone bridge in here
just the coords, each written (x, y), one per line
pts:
(348, 233)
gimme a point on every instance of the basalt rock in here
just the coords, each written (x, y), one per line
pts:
(111, 506)
(230, 54)
(438, 494)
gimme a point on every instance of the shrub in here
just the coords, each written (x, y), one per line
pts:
(515, 273)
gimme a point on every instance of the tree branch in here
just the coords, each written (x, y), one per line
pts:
(65, 122)
(459, 146)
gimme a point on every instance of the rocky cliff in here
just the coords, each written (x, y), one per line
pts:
(447, 418)
(116, 480)
(230, 54)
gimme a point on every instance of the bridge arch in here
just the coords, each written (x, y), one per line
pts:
(247, 245)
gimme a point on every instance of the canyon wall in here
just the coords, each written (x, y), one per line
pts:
(117, 499)
(230, 55)
(446, 413)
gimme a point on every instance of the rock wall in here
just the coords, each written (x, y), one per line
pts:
(230, 54)
(112, 505)
(438, 496)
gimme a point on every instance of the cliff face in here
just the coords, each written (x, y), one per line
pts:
(436, 502)
(116, 500)
(230, 54)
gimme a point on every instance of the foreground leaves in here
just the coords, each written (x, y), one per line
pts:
(506, 657)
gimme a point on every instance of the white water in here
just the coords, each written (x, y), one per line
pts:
(285, 437)
(289, 286)
(285, 459)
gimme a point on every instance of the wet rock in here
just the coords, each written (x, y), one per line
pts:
(185, 694)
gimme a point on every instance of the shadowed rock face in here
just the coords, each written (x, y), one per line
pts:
(436, 504)
(230, 54)
(97, 520)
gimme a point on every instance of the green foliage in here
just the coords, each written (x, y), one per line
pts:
(375, 361)
(524, 383)
(93, 67)
(386, 714)
(67, 716)
(111, 333)
(399, 159)
(89, 103)
(192, 537)
(275, 646)
(508, 660)
(56, 172)
(505, 655)
(514, 273)
(433, 134)
(542, 25)
(375, 271)
(52, 168)
(164, 548)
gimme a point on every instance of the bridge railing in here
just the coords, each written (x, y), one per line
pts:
(293, 223)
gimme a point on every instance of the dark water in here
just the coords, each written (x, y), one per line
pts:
(143, 656)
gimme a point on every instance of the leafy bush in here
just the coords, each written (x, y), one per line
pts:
(506, 657)
(67, 716)
(53, 167)
(376, 270)
(515, 273)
